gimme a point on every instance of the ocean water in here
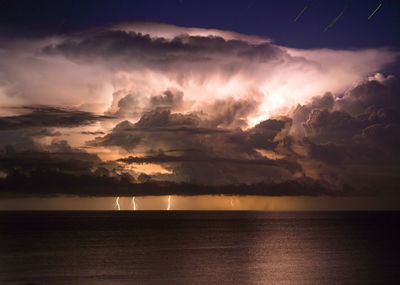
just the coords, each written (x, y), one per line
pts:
(183, 247)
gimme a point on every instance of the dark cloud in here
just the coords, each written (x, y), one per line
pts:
(204, 159)
(58, 183)
(59, 156)
(231, 113)
(263, 134)
(134, 105)
(124, 45)
(326, 126)
(203, 152)
(25, 139)
(102, 171)
(365, 113)
(93, 133)
(46, 116)
(20, 149)
(170, 99)
(121, 136)
(125, 104)
(302, 112)
(329, 153)
(39, 132)
(143, 178)
(266, 135)
(155, 126)
(378, 92)
(162, 118)
(220, 171)
(326, 101)
(353, 139)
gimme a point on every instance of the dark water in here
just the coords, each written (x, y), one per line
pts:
(199, 248)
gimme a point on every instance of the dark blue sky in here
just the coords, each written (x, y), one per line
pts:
(273, 19)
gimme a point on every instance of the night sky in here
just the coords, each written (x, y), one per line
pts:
(157, 98)
(272, 19)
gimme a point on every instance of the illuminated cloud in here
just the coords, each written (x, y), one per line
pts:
(355, 139)
(207, 106)
(145, 60)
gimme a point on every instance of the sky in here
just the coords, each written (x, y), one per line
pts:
(200, 105)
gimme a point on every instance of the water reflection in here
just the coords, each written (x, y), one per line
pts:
(172, 247)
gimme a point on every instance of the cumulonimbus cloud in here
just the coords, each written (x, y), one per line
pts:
(145, 60)
(211, 107)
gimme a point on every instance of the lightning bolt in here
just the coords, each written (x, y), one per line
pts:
(301, 13)
(169, 203)
(133, 203)
(117, 204)
(335, 20)
(379, 6)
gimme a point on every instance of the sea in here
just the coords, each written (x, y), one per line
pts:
(199, 247)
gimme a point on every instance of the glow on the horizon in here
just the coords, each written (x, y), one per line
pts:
(208, 202)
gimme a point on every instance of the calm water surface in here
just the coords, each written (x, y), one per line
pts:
(160, 247)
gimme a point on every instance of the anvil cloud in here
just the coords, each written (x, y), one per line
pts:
(202, 106)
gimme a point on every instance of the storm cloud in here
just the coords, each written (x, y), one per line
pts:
(355, 139)
(128, 45)
(47, 116)
(163, 104)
